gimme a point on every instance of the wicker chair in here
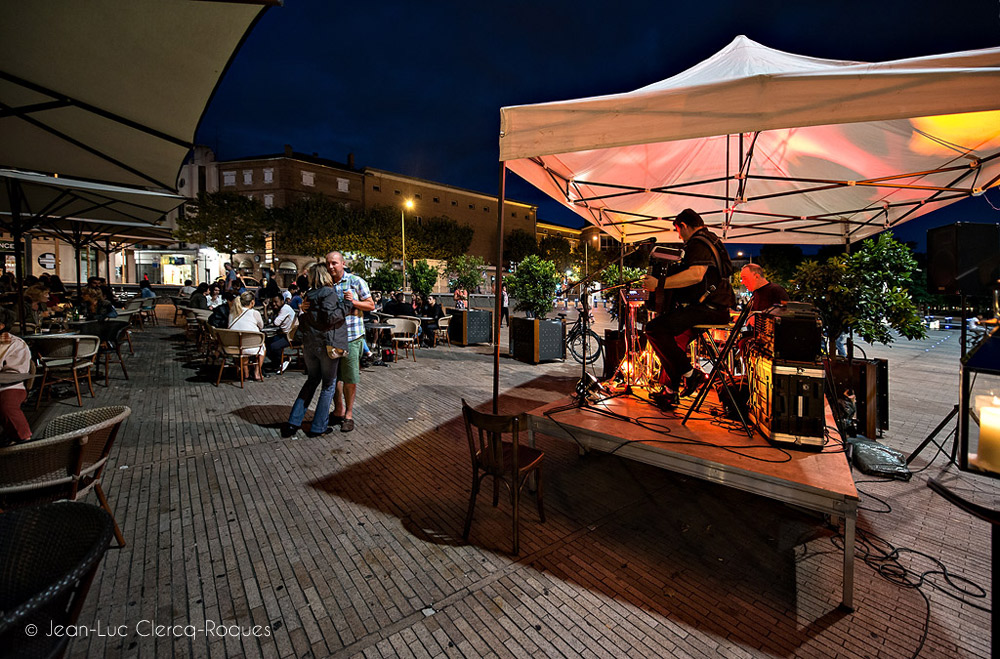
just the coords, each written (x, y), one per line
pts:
(232, 343)
(62, 358)
(147, 311)
(506, 462)
(113, 333)
(442, 330)
(48, 557)
(65, 462)
(404, 333)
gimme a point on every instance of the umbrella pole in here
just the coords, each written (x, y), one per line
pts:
(498, 290)
(107, 259)
(14, 191)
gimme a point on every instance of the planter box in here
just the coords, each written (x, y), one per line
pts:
(470, 326)
(534, 341)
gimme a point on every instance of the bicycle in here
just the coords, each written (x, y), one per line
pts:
(575, 340)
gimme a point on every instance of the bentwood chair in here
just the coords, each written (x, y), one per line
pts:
(504, 461)
(147, 310)
(232, 344)
(66, 359)
(66, 461)
(404, 333)
(48, 557)
(442, 330)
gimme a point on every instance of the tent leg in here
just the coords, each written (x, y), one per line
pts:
(498, 289)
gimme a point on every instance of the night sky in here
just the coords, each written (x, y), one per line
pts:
(417, 87)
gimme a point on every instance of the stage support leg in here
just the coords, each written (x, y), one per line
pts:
(847, 600)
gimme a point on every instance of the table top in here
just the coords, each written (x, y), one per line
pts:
(13, 378)
(378, 326)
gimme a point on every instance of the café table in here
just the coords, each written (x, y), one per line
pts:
(377, 329)
(9, 378)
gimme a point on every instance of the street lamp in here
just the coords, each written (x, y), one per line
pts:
(586, 255)
(402, 222)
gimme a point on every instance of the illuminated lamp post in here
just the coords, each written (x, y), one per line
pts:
(402, 221)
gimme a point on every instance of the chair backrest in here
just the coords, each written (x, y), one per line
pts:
(133, 305)
(444, 322)
(148, 303)
(100, 428)
(234, 341)
(76, 347)
(485, 433)
(48, 556)
(402, 326)
(40, 470)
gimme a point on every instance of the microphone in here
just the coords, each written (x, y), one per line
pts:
(647, 241)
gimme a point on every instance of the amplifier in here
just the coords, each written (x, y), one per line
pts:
(791, 332)
(636, 295)
(787, 404)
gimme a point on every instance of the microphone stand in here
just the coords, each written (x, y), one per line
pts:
(584, 385)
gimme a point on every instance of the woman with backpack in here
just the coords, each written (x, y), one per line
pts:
(323, 332)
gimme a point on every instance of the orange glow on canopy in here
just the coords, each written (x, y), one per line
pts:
(968, 130)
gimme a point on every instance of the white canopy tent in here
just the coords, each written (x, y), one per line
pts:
(768, 146)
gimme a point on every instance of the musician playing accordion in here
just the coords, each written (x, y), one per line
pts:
(702, 295)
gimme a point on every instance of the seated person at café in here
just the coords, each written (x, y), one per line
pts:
(398, 306)
(432, 309)
(36, 300)
(15, 357)
(94, 306)
(275, 344)
(244, 318)
(215, 296)
(145, 290)
(188, 289)
(220, 314)
(198, 299)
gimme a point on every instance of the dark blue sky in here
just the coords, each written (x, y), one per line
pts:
(417, 87)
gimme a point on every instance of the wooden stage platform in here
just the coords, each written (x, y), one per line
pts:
(632, 428)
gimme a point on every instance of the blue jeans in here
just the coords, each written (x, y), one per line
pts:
(319, 368)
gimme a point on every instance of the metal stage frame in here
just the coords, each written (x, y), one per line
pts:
(818, 481)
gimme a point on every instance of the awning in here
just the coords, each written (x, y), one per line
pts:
(288, 265)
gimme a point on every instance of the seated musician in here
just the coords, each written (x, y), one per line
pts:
(765, 294)
(703, 296)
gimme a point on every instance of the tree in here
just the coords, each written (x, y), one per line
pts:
(465, 272)
(517, 245)
(423, 276)
(533, 285)
(556, 249)
(386, 278)
(867, 291)
(312, 225)
(437, 238)
(228, 222)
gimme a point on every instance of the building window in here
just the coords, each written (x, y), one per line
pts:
(454, 203)
(396, 192)
(268, 175)
(228, 179)
(247, 177)
(486, 209)
(343, 185)
(268, 201)
(376, 188)
(437, 200)
(417, 195)
(309, 178)
(472, 207)
(420, 220)
(513, 214)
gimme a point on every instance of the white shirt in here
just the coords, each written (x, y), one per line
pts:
(249, 321)
(15, 358)
(187, 291)
(213, 302)
(285, 318)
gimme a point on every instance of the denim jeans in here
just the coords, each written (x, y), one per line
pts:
(319, 368)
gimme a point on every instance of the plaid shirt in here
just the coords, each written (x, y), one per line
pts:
(356, 320)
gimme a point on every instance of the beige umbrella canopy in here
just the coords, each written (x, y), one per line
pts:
(111, 91)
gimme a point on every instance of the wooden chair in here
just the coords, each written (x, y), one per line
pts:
(232, 343)
(147, 310)
(505, 461)
(442, 330)
(66, 462)
(404, 334)
(62, 358)
(133, 311)
(129, 315)
(294, 348)
(113, 333)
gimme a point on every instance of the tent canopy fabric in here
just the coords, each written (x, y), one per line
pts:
(98, 233)
(768, 146)
(111, 91)
(45, 197)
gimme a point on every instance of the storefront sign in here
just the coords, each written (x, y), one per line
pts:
(6, 246)
(47, 260)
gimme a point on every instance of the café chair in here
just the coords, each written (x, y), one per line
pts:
(48, 557)
(232, 343)
(404, 334)
(62, 359)
(442, 330)
(66, 461)
(505, 461)
(113, 333)
(147, 311)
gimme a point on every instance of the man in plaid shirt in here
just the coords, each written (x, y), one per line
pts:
(355, 291)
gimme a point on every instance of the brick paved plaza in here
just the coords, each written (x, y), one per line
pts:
(350, 544)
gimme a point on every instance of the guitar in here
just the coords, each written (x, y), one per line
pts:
(663, 262)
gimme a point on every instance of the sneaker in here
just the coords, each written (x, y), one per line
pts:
(347, 425)
(288, 430)
(283, 367)
(310, 433)
(693, 382)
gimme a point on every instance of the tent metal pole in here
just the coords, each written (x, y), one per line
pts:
(107, 259)
(498, 288)
(14, 192)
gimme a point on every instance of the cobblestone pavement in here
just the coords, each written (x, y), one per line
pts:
(350, 544)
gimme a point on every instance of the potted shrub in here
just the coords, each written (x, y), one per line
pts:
(534, 339)
(468, 325)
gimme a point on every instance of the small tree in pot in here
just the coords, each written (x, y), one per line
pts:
(535, 339)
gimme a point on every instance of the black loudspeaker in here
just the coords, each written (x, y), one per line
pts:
(963, 258)
(614, 351)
